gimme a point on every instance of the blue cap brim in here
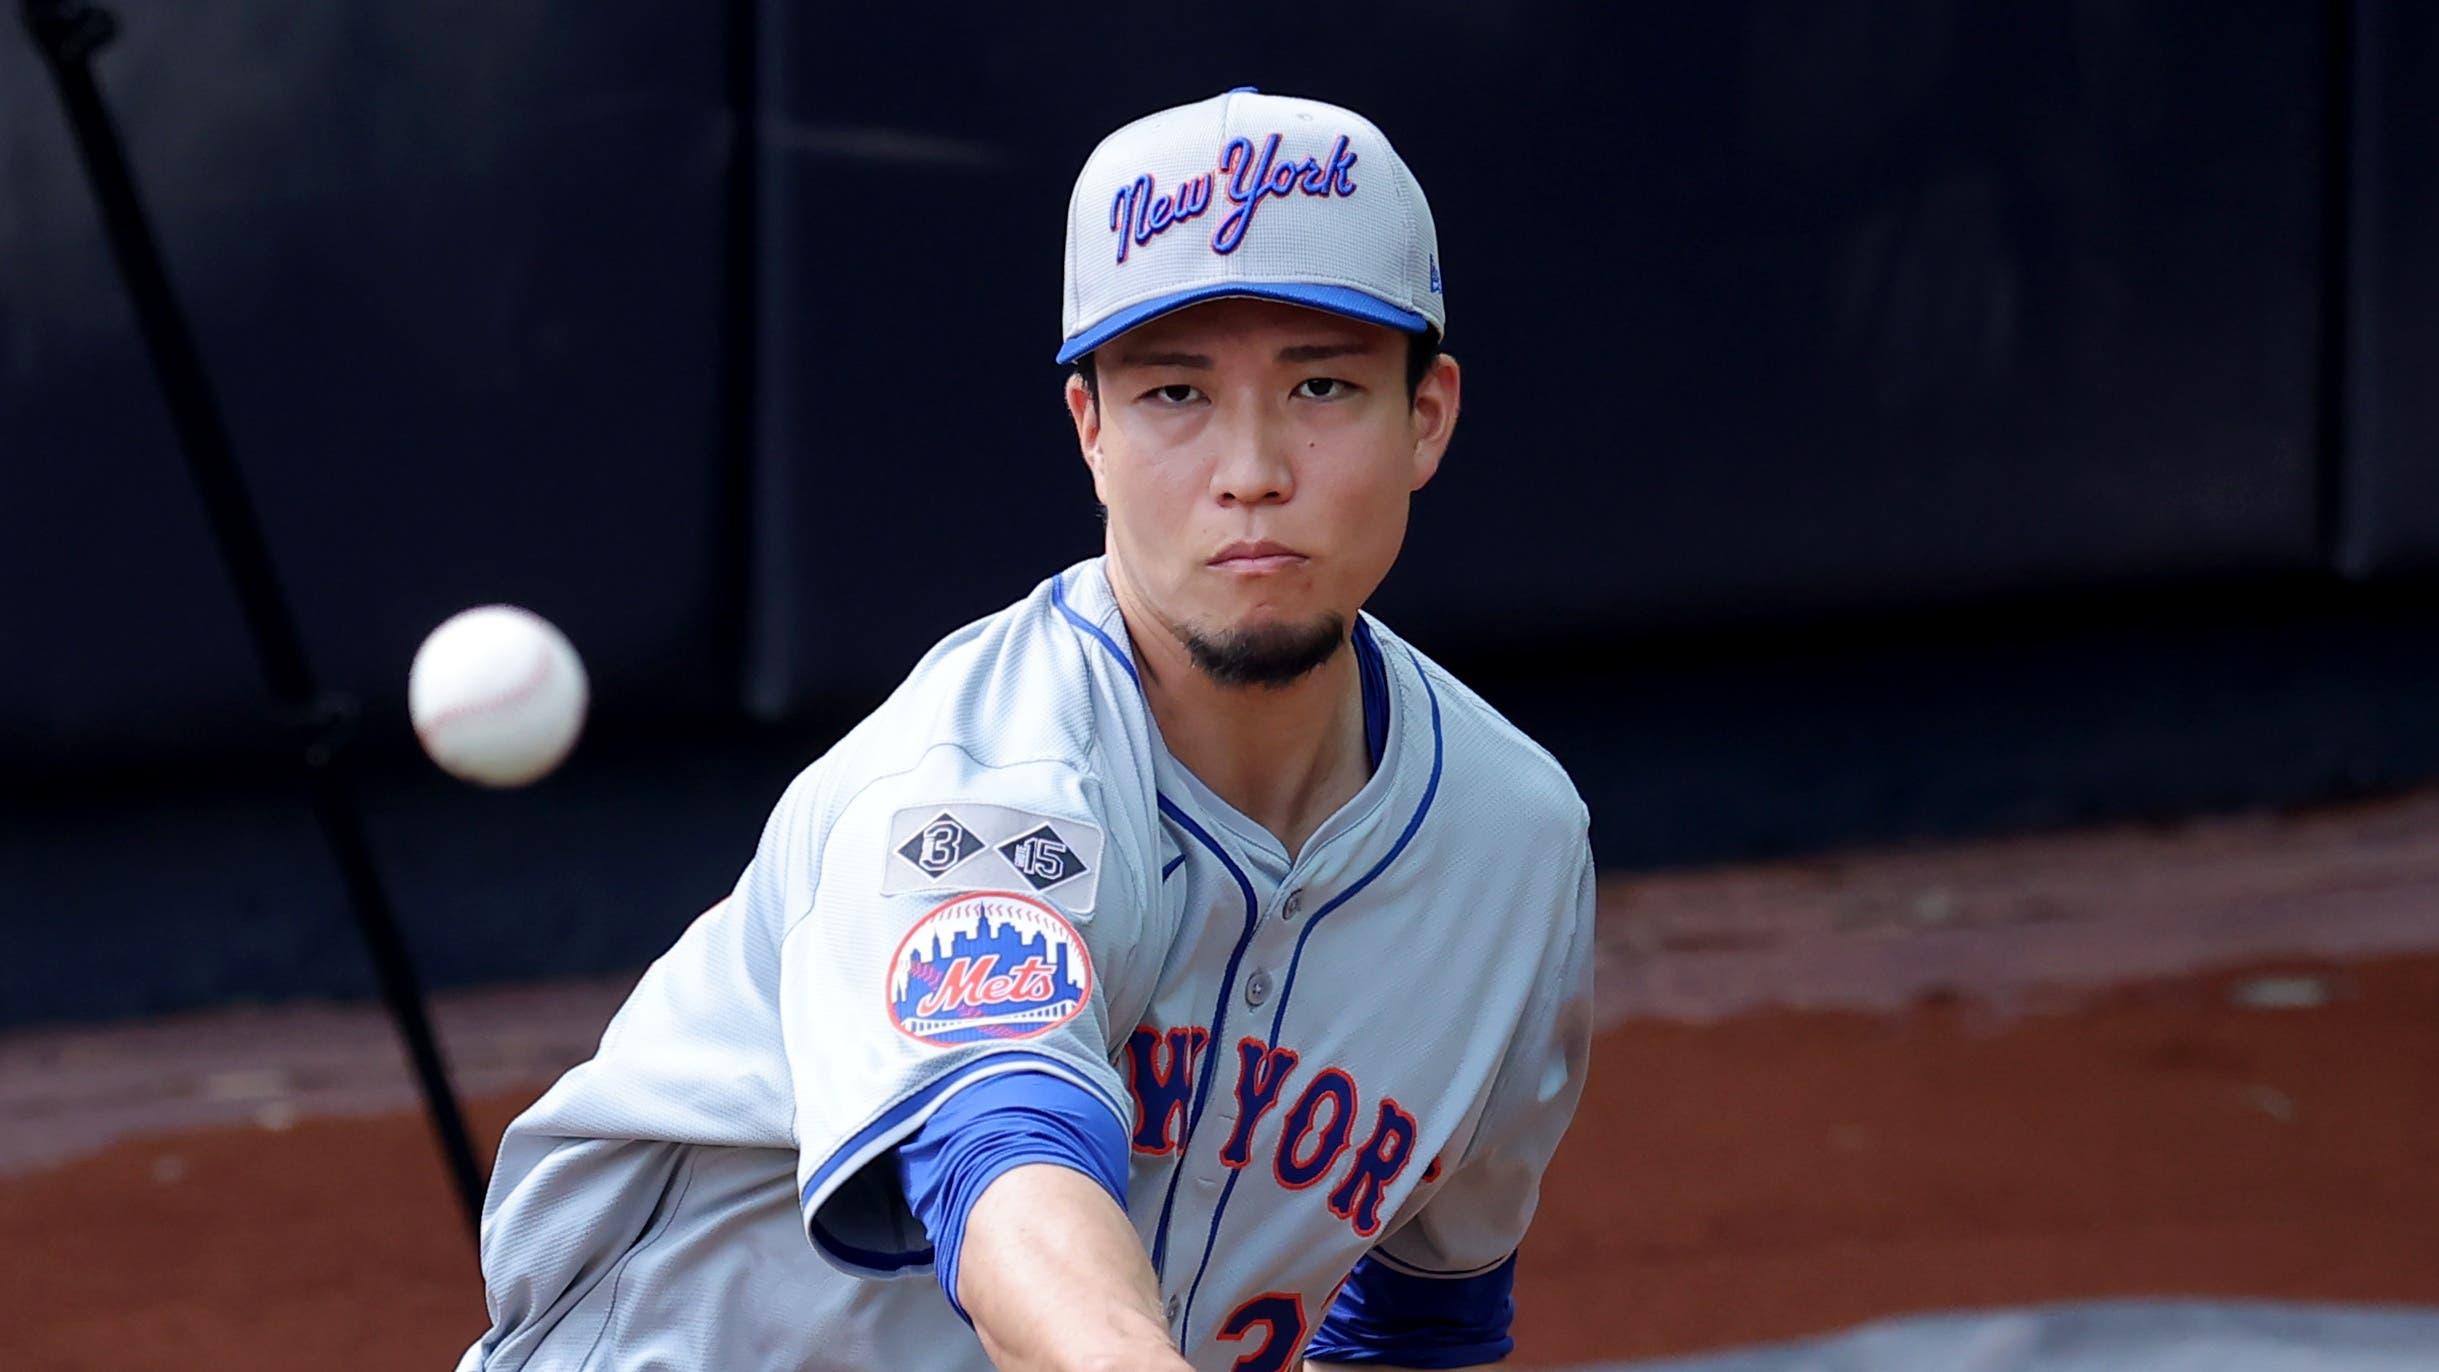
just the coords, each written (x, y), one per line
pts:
(1343, 300)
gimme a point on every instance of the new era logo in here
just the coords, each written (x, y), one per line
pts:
(939, 845)
(1043, 858)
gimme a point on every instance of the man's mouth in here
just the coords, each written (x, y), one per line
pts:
(1255, 558)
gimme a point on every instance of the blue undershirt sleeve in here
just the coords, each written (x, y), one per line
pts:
(990, 1127)
(1383, 1315)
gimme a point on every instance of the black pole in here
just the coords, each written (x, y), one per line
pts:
(69, 33)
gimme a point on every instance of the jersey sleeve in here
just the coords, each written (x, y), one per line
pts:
(990, 1129)
(951, 924)
(1471, 1222)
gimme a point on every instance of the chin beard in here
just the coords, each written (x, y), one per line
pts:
(1268, 655)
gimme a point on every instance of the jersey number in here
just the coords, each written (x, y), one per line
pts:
(1280, 1317)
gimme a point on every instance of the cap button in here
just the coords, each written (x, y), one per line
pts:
(1244, 90)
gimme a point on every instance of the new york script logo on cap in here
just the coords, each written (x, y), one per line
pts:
(1142, 212)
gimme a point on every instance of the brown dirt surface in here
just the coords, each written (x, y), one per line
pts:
(332, 1244)
(2186, 1061)
(1788, 1173)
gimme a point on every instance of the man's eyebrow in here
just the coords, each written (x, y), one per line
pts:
(1317, 352)
(1194, 360)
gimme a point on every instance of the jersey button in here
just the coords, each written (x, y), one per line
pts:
(1257, 988)
(1175, 1304)
(1294, 905)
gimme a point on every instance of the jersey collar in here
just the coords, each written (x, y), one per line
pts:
(1387, 670)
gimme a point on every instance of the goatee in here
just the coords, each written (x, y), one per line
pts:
(1267, 655)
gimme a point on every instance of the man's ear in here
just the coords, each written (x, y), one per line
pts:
(1437, 398)
(1085, 410)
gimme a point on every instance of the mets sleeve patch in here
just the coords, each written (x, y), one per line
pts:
(987, 967)
(934, 847)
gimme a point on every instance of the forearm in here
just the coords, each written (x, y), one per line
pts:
(1055, 1280)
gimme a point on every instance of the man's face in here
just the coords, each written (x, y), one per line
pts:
(1257, 460)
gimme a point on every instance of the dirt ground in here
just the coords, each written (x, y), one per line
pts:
(1788, 1173)
(2190, 1061)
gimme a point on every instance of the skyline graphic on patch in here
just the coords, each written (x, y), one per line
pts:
(940, 845)
(987, 967)
(1043, 858)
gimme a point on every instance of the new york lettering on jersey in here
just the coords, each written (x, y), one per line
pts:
(1315, 1136)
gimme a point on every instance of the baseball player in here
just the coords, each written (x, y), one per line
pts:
(1180, 970)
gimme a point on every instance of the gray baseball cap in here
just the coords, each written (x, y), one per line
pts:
(1246, 194)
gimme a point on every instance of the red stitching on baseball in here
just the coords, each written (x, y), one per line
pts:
(532, 682)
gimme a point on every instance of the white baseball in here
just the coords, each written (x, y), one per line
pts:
(497, 695)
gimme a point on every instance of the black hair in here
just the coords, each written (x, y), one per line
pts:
(1422, 349)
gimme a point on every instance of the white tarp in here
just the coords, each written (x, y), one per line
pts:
(2122, 1336)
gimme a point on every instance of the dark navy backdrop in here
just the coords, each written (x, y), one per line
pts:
(1885, 418)
(455, 272)
(1769, 307)
(2391, 407)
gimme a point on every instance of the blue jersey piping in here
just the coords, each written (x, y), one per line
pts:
(1219, 1018)
(1058, 598)
(1373, 676)
(1287, 985)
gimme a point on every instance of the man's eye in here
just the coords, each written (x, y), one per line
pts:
(1176, 393)
(1324, 388)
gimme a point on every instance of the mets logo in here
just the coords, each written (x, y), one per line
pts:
(987, 967)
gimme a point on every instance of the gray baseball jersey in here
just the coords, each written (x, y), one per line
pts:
(1370, 1046)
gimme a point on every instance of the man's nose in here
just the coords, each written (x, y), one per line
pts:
(1257, 465)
